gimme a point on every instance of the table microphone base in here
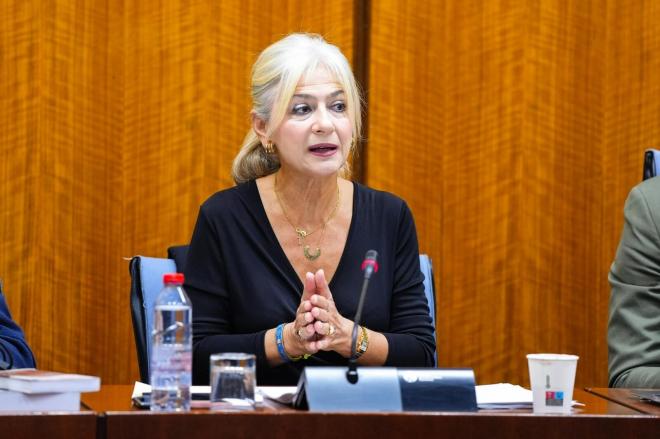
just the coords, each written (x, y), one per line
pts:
(386, 389)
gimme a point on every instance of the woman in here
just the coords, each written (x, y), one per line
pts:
(274, 265)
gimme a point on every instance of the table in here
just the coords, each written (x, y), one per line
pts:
(626, 398)
(599, 418)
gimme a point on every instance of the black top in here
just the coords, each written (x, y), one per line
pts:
(241, 283)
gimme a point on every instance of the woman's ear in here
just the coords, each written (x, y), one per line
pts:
(259, 127)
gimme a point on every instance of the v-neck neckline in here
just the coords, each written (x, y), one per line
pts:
(276, 243)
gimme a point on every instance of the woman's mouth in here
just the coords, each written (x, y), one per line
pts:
(323, 149)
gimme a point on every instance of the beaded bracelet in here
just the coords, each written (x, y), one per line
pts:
(279, 340)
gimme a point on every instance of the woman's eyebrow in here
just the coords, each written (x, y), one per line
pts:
(334, 94)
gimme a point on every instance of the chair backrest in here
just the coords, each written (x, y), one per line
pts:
(426, 266)
(146, 283)
(651, 163)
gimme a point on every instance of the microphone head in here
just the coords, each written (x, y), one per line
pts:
(369, 262)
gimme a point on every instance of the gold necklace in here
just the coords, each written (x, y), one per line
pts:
(302, 233)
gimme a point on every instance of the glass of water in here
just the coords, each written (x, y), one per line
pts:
(232, 381)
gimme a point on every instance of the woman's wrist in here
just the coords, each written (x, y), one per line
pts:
(294, 347)
(287, 347)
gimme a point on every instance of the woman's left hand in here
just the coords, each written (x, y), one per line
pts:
(334, 331)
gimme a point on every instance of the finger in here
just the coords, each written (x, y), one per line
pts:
(321, 328)
(311, 347)
(303, 318)
(309, 287)
(305, 332)
(319, 301)
(308, 331)
(320, 314)
(322, 344)
(322, 284)
(304, 306)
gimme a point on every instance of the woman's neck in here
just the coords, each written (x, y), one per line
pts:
(307, 202)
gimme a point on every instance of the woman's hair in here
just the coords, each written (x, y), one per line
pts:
(275, 76)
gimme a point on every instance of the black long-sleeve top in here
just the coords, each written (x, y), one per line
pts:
(241, 283)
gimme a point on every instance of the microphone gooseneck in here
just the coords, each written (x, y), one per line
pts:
(369, 266)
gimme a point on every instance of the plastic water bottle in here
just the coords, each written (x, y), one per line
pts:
(171, 348)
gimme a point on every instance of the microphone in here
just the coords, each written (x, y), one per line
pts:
(369, 266)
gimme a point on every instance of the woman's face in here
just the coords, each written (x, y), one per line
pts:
(315, 135)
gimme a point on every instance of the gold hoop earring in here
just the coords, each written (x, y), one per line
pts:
(269, 148)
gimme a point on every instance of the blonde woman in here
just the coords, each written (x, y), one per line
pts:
(274, 265)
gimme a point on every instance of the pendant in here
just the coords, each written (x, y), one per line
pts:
(310, 256)
(302, 234)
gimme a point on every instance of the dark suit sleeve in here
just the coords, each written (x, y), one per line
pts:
(634, 317)
(14, 351)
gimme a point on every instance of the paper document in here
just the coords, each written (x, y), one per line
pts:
(140, 388)
(503, 396)
(506, 396)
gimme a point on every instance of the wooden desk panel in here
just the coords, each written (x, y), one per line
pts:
(599, 417)
(48, 425)
(318, 425)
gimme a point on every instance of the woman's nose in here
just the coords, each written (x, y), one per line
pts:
(322, 122)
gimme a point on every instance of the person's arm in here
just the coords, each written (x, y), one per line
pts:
(410, 336)
(634, 316)
(206, 286)
(14, 351)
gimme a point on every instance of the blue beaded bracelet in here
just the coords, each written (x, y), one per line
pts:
(279, 340)
(280, 343)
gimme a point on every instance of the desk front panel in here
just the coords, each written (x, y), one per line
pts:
(599, 417)
(79, 425)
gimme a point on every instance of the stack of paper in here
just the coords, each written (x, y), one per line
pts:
(503, 396)
(40, 390)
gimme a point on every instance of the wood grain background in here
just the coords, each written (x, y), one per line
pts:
(514, 129)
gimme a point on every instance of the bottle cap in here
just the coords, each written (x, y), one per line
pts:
(173, 278)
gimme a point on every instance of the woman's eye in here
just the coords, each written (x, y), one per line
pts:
(300, 109)
(339, 107)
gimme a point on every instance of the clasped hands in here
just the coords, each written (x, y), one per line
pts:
(318, 325)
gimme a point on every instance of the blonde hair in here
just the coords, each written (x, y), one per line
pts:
(275, 76)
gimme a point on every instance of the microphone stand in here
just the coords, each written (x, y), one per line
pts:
(351, 373)
(368, 264)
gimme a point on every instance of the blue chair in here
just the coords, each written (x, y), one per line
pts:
(146, 282)
(426, 267)
(651, 163)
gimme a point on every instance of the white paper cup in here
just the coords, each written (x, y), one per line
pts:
(232, 381)
(552, 377)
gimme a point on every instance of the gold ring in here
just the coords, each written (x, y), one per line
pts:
(331, 329)
(299, 333)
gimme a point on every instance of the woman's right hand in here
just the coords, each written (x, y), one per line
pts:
(301, 330)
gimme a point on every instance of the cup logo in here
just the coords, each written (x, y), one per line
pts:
(554, 399)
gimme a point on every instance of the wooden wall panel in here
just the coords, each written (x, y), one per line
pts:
(515, 130)
(115, 124)
(60, 186)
